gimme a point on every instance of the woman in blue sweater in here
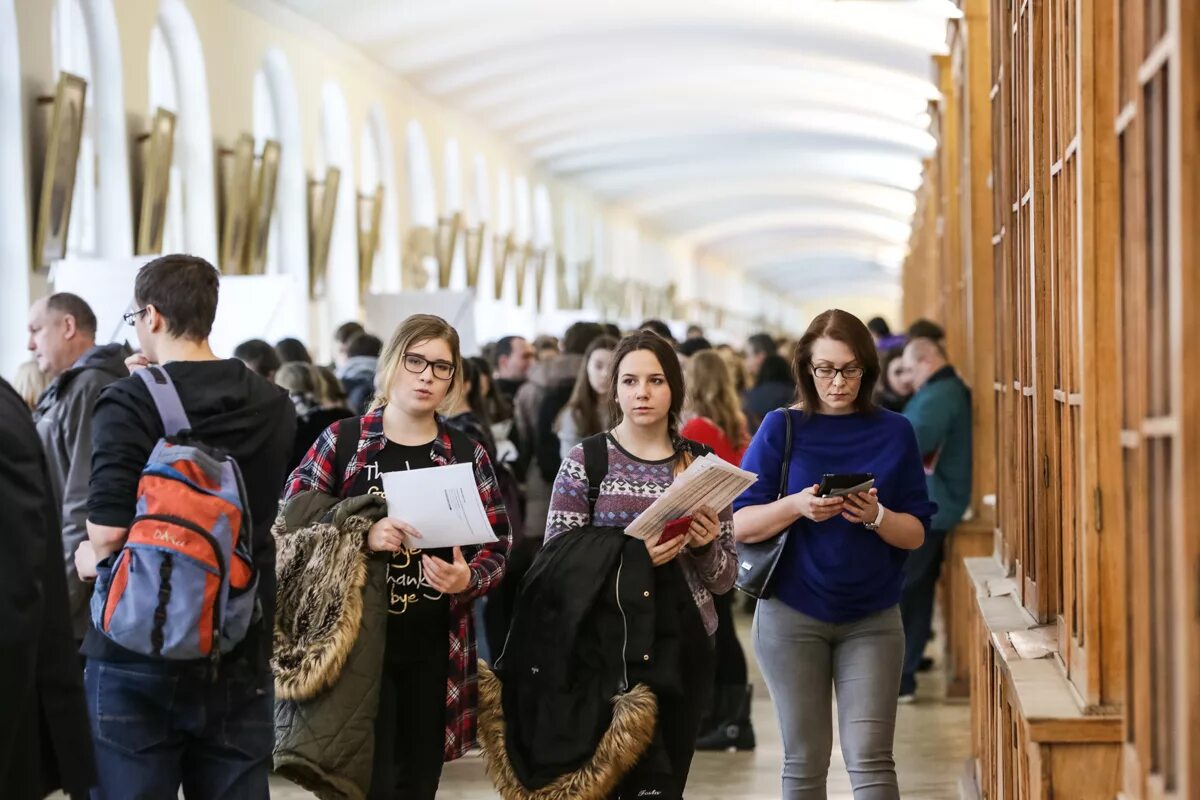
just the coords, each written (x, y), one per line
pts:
(832, 619)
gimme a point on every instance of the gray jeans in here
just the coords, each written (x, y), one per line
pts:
(802, 659)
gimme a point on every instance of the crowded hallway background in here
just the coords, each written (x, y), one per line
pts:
(599, 401)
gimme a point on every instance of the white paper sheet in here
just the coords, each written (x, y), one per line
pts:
(708, 481)
(441, 502)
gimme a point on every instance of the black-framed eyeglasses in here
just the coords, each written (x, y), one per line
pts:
(130, 317)
(849, 373)
(416, 364)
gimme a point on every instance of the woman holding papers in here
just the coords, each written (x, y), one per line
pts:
(645, 454)
(832, 617)
(373, 635)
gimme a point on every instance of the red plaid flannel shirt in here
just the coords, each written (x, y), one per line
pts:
(487, 562)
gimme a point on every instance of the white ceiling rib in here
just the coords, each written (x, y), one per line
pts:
(784, 137)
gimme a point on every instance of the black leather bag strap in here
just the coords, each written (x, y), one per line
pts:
(787, 452)
(462, 446)
(595, 465)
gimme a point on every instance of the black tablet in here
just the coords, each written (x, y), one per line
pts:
(842, 484)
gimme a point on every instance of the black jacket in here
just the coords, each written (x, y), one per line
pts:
(583, 632)
(44, 739)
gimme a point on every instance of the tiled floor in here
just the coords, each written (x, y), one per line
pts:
(932, 743)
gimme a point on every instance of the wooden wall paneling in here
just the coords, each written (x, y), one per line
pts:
(1186, 251)
(977, 231)
(951, 283)
(1099, 673)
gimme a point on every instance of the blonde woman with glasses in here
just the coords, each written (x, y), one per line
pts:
(375, 652)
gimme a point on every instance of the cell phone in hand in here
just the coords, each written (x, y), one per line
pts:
(842, 484)
(674, 529)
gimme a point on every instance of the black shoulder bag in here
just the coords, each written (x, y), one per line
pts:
(757, 560)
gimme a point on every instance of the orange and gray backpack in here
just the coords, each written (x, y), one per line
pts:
(183, 585)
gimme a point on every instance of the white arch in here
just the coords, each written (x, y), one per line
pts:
(277, 116)
(14, 220)
(113, 212)
(454, 204)
(422, 193)
(337, 150)
(378, 167)
(193, 153)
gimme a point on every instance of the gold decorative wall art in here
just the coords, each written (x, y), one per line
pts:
(237, 169)
(59, 157)
(262, 207)
(322, 203)
(157, 152)
(370, 213)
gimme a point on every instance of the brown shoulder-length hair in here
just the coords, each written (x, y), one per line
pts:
(586, 404)
(665, 353)
(711, 394)
(850, 330)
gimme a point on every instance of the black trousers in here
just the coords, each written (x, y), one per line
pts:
(662, 772)
(410, 730)
(731, 658)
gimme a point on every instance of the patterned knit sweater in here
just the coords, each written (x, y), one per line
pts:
(629, 488)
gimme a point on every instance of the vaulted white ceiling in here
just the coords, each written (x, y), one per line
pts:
(783, 136)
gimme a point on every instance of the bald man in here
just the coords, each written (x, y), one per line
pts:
(62, 338)
(940, 413)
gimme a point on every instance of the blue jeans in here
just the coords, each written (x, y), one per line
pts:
(921, 573)
(158, 728)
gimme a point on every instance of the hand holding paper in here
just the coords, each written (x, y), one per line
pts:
(708, 481)
(442, 503)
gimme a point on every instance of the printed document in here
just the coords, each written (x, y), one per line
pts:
(708, 481)
(441, 502)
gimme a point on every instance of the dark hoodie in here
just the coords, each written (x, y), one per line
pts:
(64, 424)
(230, 408)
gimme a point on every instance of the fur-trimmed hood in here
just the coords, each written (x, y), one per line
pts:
(633, 719)
(320, 569)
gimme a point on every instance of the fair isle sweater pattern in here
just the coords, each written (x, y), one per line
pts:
(629, 488)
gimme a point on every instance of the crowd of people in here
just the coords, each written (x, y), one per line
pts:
(205, 584)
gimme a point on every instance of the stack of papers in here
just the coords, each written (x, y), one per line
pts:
(442, 503)
(708, 481)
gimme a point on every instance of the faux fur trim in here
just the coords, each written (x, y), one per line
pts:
(632, 728)
(320, 571)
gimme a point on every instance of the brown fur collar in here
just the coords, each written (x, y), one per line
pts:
(632, 728)
(320, 571)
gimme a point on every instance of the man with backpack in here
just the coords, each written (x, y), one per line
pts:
(189, 456)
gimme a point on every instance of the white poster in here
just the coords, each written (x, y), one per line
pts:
(385, 312)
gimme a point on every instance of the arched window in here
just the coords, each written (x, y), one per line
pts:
(191, 197)
(422, 194)
(14, 216)
(277, 116)
(543, 245)
(454, 205)
(85, 43)
(377, 167)
(336, 150)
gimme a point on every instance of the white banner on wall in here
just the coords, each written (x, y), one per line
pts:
(385, 312)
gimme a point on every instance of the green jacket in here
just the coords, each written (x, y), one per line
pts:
(940, 413)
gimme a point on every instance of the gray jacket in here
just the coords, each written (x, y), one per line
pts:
(64, 424)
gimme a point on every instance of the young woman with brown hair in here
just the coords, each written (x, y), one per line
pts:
(586, 412)
(832, 618)
(645, 454)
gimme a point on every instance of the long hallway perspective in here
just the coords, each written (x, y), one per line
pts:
(981, 217)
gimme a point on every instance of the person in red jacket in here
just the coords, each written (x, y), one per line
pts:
(714, 417)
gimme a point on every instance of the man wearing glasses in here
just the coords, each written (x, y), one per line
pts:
(940, 413)
(160, 724)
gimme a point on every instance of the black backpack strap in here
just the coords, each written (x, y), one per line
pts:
(595, 465)
(349, 431)
(462, 446)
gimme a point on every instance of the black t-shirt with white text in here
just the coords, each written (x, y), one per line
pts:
(418, 614)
